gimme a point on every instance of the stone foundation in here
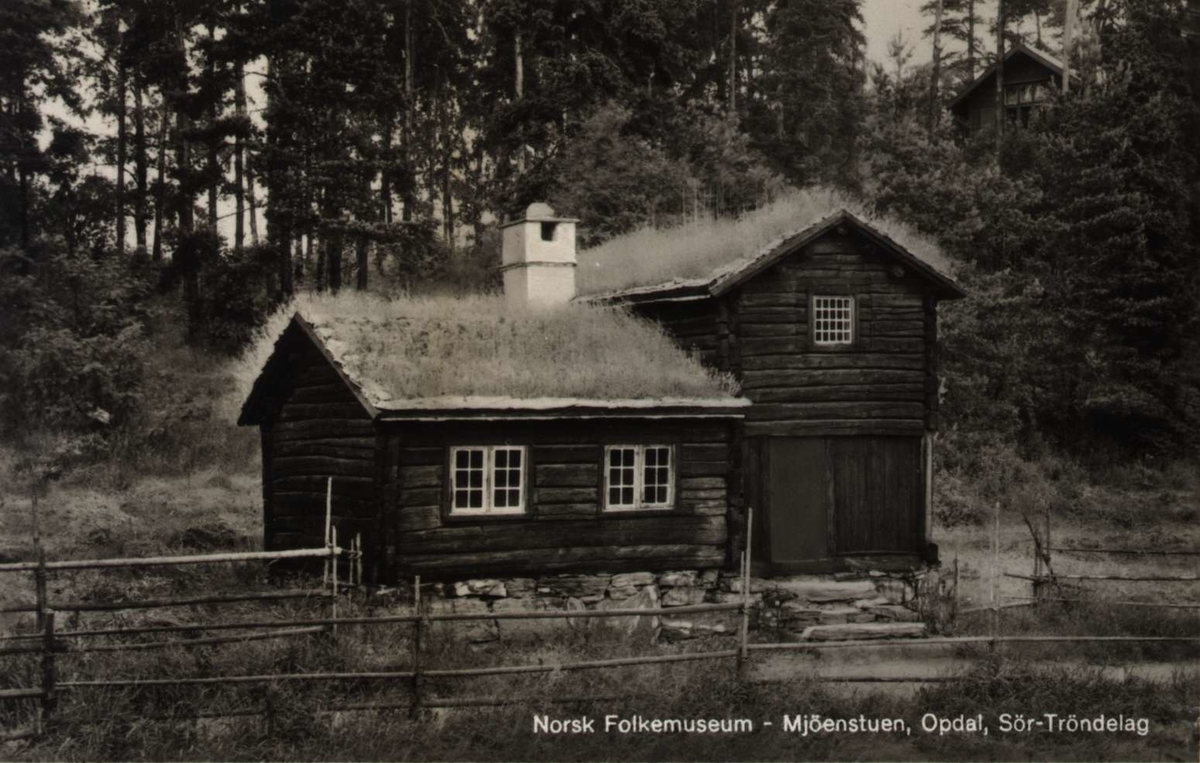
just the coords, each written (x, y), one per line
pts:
(793, 608)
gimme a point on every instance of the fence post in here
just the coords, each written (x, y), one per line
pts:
(995, 577)
(334, 560)
(39, 575)
(358, 572)
(1049, 568)
(49, 674)
(328, 524)
(415, 707)
(744, 651)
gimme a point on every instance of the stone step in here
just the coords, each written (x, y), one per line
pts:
(863, 631)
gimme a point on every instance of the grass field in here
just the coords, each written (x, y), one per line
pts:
(208, 499)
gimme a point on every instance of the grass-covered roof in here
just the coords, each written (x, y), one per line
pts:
(439, 352)
(703, 249)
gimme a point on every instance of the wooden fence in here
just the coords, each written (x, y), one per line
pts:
(49, 641)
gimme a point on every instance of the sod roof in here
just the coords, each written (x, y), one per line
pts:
(471, 352)
(705, 252)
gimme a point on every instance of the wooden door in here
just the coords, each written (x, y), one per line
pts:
(797, 499)
(842, 496)
(878, 494)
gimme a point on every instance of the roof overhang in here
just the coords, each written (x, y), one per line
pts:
(546, 409)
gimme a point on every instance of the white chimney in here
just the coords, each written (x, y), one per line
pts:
(539, 258)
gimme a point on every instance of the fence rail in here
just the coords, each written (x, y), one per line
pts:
(49, 642)
(1134, 551)
(171, 561)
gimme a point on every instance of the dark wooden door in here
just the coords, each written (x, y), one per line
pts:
(797, 499)
(878, 494)
(842, 496)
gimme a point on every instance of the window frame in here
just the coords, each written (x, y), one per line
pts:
(488, 511)
(639, 465)
(855, 323)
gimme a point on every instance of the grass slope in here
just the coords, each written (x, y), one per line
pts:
(432, 346)
(651, 256)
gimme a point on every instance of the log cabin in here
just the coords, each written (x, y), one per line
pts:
(565, 427)
(1031, 77)
(830, 330)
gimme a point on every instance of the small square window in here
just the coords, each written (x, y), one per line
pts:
(832, 320)
(488, 479)
(638, 477)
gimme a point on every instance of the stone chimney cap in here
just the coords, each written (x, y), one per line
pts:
(540, 212)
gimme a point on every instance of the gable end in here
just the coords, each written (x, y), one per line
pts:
(297, 346)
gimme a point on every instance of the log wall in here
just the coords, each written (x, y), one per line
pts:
(878, 386)
(319, 431)
(867, 404)
(563, 528)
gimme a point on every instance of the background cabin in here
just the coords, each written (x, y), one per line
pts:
(1031, 77)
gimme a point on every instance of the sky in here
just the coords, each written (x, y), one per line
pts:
(883, 18)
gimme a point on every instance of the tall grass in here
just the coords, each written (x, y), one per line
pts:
(695, 249)
(116, 724)
(412, 347)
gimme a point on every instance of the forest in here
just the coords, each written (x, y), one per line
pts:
(172, 171)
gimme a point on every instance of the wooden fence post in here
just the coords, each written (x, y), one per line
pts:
(415, 707)
(328, 524)
(744, 651)
(334, 600)
(1048, 566)
(358, 571)
(49, 674)
(995, 577)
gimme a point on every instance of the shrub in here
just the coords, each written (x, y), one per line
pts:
(72, 349)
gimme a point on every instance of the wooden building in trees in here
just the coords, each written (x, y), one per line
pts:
(621, 429)
(1031, 77)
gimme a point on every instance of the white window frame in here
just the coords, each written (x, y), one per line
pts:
(489, 473)
(816, 330)
(639, 465)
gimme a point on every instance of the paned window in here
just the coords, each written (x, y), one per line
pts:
(638, 477)
(833, 320)
(487, 479)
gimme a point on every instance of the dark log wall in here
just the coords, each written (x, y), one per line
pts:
(694, 325)
(863, 408)
(875, 387)
(563, 529)
(320, 431)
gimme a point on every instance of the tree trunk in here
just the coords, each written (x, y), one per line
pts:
(1000, 117)
(298, 262)
(1068, 43)
(160, 185)
(187, 249)
(122, 141)
(239, 159)
(447, 170)
(409, 95)
(519, 90)
(252, 203)
(733, 30)
(934, 80)
(141, 163)
(970, 40)
(362, 261)
(214, 174)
